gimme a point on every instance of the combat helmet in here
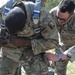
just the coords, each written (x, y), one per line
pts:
(15, 20)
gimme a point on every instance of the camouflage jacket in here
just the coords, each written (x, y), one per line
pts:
(49, 34)
(67, 31)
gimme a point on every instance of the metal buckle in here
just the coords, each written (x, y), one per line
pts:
(36, 17)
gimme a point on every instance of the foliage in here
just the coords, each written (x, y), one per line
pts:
(51, 3)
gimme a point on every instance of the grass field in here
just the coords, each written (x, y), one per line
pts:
(71, 68)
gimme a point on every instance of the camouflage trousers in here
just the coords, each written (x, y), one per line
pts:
(11, 57)
(60, 66)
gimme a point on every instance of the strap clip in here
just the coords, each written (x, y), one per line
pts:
(36, 16)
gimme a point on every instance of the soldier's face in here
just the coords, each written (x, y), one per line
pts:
(63, 17)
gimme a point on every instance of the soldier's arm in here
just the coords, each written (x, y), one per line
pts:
(50, 35)
(49, 38)
(49, 30)
(67, 55)
(54, 57)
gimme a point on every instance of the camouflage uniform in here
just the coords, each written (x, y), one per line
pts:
(67, 33)
(32, 56)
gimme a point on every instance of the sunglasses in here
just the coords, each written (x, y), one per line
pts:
(62, 19)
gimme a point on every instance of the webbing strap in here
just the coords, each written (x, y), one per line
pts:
(36, 16)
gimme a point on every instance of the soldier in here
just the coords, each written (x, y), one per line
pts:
(31, 31)
(4, 10)
(64, 17)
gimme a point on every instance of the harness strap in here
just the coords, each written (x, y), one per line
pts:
(36, 17)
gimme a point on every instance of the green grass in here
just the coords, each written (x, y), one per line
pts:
(71, 68)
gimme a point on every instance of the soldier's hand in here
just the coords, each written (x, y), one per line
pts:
(51, 57)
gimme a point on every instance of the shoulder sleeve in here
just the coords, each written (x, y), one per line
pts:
(48, 28)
